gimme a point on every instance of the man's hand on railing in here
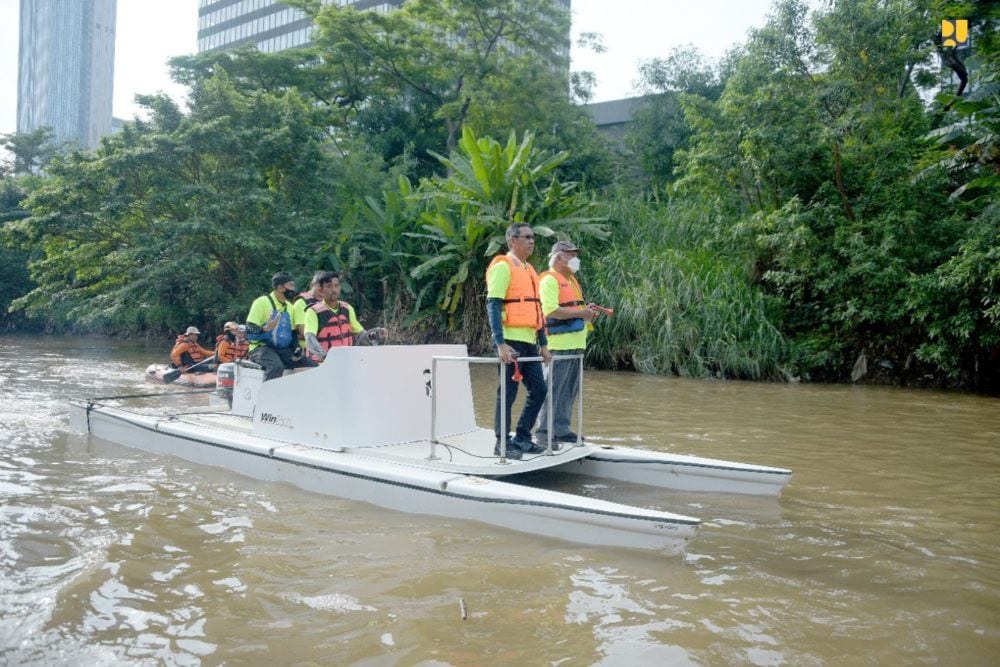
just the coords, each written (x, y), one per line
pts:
(506, 353)
(544, 353)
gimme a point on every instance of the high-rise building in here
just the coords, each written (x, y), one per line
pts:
(267, 24)
(66, 67)
(270, 25)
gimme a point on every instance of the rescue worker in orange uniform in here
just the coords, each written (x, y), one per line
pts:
(516, 325)
(187, 352)
(231, 344)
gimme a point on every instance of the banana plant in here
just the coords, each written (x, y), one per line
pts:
(466, 213)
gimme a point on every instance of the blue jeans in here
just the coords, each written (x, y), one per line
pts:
(565, 387)
(533, 380)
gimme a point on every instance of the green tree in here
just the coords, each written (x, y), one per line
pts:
(959, 302)
(30, 151)
(405, 82)
(185, 216)
(658, 129)
(489, 186)
(812, 147)
(527, 95)
(412, 78)
(13, 259)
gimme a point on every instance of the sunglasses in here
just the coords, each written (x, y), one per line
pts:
(530, 237)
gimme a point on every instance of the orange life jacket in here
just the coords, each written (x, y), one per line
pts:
(181, 345)
(521, 305)
(229, 351)
(334, 327)
(570, 295)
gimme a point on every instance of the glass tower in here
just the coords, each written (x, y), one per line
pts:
(267, 24)
(66, 67)
(270, 25)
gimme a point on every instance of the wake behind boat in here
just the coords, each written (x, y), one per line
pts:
(393, 427)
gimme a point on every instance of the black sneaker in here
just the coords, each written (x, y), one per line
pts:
(513, 451)
(542, 438)
(568, 437)
(527, 446)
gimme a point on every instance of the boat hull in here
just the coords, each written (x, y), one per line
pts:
(680, 472)
(354, 475)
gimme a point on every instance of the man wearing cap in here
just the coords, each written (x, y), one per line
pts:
(231, 344)
(516, 326)
(187, 352)
(568, 321)
(273, 343)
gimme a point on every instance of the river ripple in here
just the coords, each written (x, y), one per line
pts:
(882, 550)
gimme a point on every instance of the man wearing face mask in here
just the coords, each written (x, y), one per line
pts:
(273, 343)
(231, 344)
(568, 321)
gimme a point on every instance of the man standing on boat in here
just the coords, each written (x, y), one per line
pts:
(187, 352)
(568, 321)
(516, 326)
(273, 343)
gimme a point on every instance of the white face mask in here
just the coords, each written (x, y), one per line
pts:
(573, 263)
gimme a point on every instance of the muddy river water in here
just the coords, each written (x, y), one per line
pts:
(884, 549)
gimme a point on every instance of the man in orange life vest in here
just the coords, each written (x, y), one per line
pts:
(568, 321)
(231, 344)
(187, 352)
(516, 325)
(329, 322)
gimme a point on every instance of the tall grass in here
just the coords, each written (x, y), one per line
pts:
(680, 306)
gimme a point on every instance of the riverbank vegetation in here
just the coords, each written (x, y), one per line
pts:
(820, 204)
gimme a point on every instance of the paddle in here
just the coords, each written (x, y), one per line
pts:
(170, 376)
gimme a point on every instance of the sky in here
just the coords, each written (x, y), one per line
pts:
(151, 31)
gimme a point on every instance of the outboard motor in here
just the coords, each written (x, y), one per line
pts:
(249, 378)
(225, 378)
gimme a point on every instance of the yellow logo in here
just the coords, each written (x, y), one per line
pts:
(955, 32)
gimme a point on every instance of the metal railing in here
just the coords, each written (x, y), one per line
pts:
(503, 401)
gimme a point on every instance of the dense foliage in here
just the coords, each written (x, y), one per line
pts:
(820, 204)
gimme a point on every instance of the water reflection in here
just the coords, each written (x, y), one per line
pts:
(882, 549)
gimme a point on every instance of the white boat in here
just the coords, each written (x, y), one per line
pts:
(394, 427)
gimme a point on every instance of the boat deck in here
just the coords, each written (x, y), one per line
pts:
(469, 453)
